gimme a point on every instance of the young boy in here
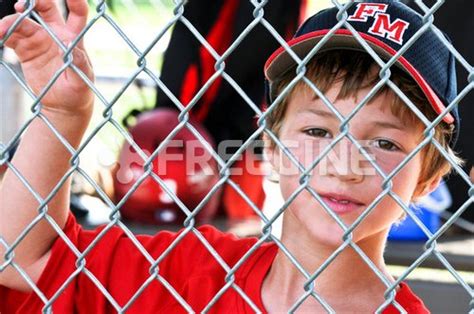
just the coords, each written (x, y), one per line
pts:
(203, 269)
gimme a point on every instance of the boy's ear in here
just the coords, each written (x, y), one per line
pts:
(427, 187)
(271, 153)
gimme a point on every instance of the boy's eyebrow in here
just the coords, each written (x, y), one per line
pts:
(389, 125)
(320, 112)
(378, 124)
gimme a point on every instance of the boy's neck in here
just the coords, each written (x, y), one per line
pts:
(347, 279)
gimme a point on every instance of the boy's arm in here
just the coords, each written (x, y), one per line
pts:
(41, 158)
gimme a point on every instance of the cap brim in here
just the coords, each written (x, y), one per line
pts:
(280, 61)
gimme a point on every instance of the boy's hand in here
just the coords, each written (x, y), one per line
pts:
(41, 57)
(68, 106)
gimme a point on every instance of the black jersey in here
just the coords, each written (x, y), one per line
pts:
(188, 65)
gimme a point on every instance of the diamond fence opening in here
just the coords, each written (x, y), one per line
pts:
(39, 205)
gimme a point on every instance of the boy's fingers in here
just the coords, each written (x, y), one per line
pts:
(77, 18)
(471, 174)
(27, 39)
(82, 61)
(26, 28)
(20, 6)
(49, 11)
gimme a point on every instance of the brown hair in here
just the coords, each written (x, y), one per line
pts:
(357, 70)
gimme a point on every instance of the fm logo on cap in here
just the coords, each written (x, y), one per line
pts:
(382, 25)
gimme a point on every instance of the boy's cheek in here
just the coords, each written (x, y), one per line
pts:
(287, 157)
(303, 150)
(388, 162)
(405, 181)
(287, 167)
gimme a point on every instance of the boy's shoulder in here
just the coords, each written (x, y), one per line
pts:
(122, 264)
(109, 243)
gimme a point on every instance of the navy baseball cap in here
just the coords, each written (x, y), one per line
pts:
(385, 26)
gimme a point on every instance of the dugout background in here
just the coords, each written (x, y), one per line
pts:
(455, 17)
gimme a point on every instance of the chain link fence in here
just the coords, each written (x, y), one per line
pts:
(101, 13)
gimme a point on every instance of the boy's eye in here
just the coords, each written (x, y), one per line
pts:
(386, 145)
(315, 132)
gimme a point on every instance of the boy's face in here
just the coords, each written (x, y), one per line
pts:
(344, 178)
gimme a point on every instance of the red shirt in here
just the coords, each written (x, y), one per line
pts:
(117, 264)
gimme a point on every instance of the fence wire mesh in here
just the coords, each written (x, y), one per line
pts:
(142, 69)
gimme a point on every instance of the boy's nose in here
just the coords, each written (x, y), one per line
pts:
(345, 163)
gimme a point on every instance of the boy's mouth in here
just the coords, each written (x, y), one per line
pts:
(341, 204)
